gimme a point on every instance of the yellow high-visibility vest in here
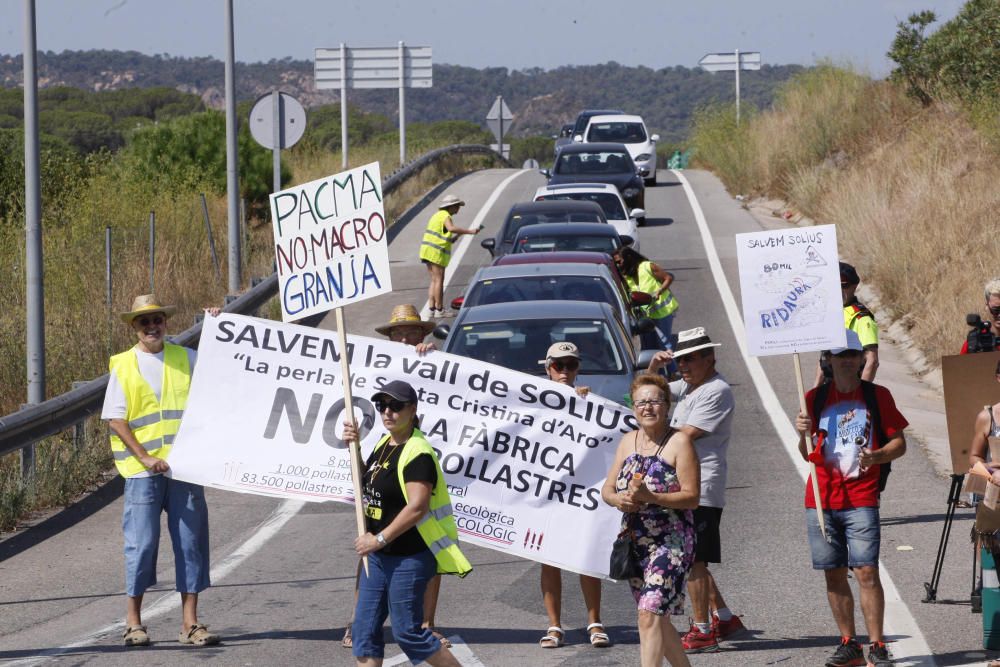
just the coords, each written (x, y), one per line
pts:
(435, 247)
(438, 528)
(665, 305)
(153, 422)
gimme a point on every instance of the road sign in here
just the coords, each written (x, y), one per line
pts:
(726, 62)
(505, 152)
(498, 119)
(291, 121)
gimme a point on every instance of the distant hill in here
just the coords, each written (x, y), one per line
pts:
(541, 100)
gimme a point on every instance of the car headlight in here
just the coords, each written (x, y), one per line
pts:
(642, 158)
(630, 192)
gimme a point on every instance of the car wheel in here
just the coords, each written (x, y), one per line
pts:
(651, 181)
(640, 222)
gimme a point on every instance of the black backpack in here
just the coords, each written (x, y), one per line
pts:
(871, 405)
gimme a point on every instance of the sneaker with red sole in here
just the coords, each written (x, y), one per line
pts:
(728, 629)
(696, 641)
(848, 654)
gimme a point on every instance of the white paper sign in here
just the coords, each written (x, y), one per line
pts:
(524, 457)
(330, 245)
(790, 281)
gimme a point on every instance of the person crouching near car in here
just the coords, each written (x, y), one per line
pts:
(655, 482)
(407, 509)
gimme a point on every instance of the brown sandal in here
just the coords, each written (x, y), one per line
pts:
(135, 635)
(198, 635)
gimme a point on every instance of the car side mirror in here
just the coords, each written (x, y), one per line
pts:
(644, 359)
(456, 303)
(545, 172)
(641, 298)
(654, 138)
(489, 244)
(441, 332)
(637, 213)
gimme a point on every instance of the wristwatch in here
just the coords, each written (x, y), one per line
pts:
(380, 538)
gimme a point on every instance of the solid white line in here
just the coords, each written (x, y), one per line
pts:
(899, 621)
(466, 239)
(459, 649)
(171, 601)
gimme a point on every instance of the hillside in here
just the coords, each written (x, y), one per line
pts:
(541, 100)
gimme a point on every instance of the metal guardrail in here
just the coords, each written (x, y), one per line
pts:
(34, 422)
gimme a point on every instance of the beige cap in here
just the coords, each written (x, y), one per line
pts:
(561, 350)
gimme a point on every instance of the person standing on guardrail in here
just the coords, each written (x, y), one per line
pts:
(146, 396)
(435, 250)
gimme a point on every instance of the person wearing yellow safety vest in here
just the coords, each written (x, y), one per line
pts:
(435, 250)
(642, 275)
(145, 399)
(412, 534)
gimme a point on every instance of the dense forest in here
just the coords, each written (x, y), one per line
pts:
(541, 100)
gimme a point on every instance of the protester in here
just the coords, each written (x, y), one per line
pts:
(858, 319)
(407, 510)
(654, 481)
(992, 293)
(562, 364)
(705, 413)
(145, 399)
(987, 426)
(860, 430)
(435, 250)
(642, 275)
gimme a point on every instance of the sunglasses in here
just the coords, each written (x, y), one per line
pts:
(146, 321)
(994, 311)
(393, 404)
(567, 365)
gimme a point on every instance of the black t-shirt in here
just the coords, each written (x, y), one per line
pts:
(383, 496)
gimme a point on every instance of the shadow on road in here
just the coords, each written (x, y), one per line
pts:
(658, 222)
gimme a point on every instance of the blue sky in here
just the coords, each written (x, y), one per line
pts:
(514, 33)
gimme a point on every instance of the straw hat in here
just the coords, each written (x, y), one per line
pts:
(144, 304)
(451, 200)
(692, 340)
(405, 316)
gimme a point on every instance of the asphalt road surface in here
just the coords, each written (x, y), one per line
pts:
(283, 571)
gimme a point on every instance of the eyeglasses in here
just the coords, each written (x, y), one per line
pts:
(566, 365)
(649, 403)
(393, 405)
(146, 321)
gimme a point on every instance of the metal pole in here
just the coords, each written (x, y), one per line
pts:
(107, 280)
(738, 87)
(500, 140)
(232, 161)
(343, 104)
(152, 252)
(34, 288)
(276, 139)
(211, 239)
(402, 104)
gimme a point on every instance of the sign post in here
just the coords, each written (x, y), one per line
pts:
(277, 121)
(399, 66)
(732, 62)
(498, 119)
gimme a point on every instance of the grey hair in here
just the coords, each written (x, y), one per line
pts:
(992, 287)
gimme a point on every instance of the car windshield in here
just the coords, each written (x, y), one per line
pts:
(610, 203)
(541, 288)
(516, 221)
(598, 162)
(619, 133)
(519, 345)
(568, 242)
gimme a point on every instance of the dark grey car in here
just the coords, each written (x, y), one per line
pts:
(543, 212)
(599, 163)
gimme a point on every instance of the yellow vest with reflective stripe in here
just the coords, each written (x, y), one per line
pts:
(435, 247)
(665, 305)
(153, 422)
(437, 528)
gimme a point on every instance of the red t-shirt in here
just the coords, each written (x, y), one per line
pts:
(842, 483)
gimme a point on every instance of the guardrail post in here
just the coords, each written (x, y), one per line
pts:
(27, 455)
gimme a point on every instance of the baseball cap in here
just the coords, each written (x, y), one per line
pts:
(561, 350)
(853, 343)
(848, 274)
(397, 389)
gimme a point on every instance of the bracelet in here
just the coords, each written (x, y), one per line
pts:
(380, 538)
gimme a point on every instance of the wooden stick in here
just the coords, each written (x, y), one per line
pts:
(355, 445)
(809, 446)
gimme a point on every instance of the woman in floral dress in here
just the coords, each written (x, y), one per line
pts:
(655, 481)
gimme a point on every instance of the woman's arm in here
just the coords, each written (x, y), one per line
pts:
(688, 475)
(417, 506)
(609, 494)
(665, 277)
(980, 439)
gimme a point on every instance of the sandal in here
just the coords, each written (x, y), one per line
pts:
(553, 637)
(198, 635)
(445, 642)
(348, 640)
(135, 635)
(600, 638)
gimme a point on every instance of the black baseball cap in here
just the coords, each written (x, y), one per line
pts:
(397, 389)
(848, 274)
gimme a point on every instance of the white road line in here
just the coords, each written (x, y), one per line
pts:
(466, 239)
(459, 649)
(171, 601)
(899, 622)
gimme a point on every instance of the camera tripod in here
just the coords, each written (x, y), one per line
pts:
(930, 588)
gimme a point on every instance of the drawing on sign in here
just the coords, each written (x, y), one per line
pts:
(797, 298)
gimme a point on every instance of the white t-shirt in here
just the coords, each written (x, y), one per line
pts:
(708, 407)
(151, 370)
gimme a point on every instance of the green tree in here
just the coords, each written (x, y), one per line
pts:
(909, 51)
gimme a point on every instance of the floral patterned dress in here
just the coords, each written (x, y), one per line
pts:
(664, 538)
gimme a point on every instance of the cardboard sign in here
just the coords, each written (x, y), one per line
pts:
(970, 382)
(330, 245)
(790, 284)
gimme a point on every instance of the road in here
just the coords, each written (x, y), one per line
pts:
(284, 572)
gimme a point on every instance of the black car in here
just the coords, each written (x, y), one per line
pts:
(572, 236)
(584, 117)
(541, 212)
(599, 163)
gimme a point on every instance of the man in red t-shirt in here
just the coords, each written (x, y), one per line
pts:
(848, 459)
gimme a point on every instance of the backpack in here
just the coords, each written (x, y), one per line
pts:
(871, 405)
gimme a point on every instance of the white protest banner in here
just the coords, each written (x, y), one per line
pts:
(330, 246)
(790, 283)
(524, 457)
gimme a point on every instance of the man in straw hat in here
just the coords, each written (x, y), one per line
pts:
(704, 411)
(435, 250)
(406, 326)
(146, 395)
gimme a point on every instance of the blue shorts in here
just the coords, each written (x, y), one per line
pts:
(854, 538)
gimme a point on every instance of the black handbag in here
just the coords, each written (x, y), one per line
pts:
(624, 558)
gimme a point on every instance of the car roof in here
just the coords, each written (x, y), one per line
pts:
(536, 310)
(559, 257)
(616, 118)
(566, 229)
(580, 186)
(595, 147)
(524, 270)
(600, 112)
(555, 206)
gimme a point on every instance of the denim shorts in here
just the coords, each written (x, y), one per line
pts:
(854, 538)
(187, 521)
(394, 587)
